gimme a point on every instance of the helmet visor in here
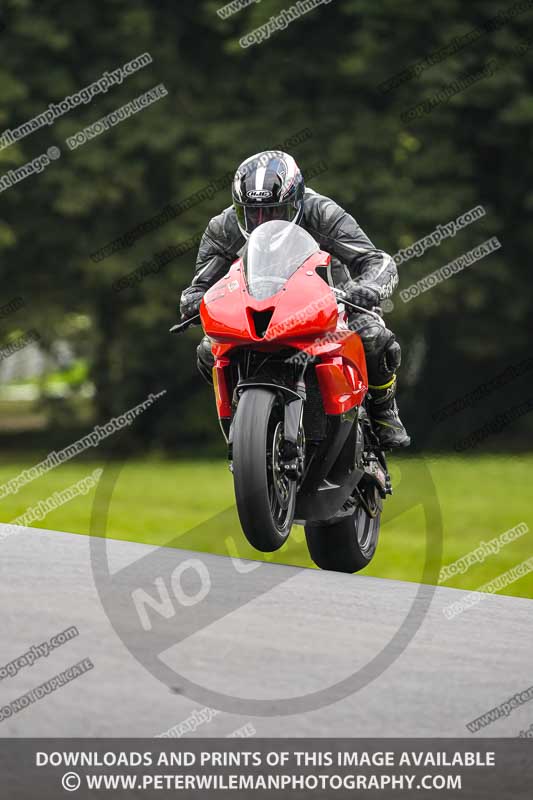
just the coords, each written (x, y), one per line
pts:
(251, 216)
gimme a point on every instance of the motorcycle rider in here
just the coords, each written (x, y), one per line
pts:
(269, 186)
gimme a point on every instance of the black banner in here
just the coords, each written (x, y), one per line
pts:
(242, 768)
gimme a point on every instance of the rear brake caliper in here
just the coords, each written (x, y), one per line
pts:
(375, 472)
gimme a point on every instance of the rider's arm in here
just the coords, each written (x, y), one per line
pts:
(217, 251)
(346, 240)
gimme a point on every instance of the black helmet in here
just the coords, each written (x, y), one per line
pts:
(267, 186)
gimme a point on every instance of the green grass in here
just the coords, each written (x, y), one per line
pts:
(189, 504)
(76, 374)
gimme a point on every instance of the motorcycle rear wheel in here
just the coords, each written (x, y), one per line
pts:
(265, 497)
(349, 544)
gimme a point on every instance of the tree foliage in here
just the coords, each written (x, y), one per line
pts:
(224, 102)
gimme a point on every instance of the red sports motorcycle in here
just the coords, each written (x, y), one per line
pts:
(290, 384)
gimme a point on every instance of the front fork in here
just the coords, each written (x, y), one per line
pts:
(294, 439)
(293, 445)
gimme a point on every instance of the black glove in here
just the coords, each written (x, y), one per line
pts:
(190, 302)
(362, 294)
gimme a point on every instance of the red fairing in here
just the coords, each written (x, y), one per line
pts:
(305, 307)
(340, 384)
(304, 316)
(222, 386)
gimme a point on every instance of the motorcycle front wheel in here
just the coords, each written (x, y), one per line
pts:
(265, 497)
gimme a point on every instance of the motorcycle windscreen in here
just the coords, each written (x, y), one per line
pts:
(274, 251)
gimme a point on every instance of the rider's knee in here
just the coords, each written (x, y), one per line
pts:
(393, 354)
(376, 338)
(205, 360)
(383, 353)
(204, 352)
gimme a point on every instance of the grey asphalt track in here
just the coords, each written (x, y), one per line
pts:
(303, 632)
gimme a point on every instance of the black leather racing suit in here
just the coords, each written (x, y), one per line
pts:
(353, 256)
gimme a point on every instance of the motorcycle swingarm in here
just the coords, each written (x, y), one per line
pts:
(327, 499)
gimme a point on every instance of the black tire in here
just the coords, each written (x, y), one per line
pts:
(265, 497)
(348, 545)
